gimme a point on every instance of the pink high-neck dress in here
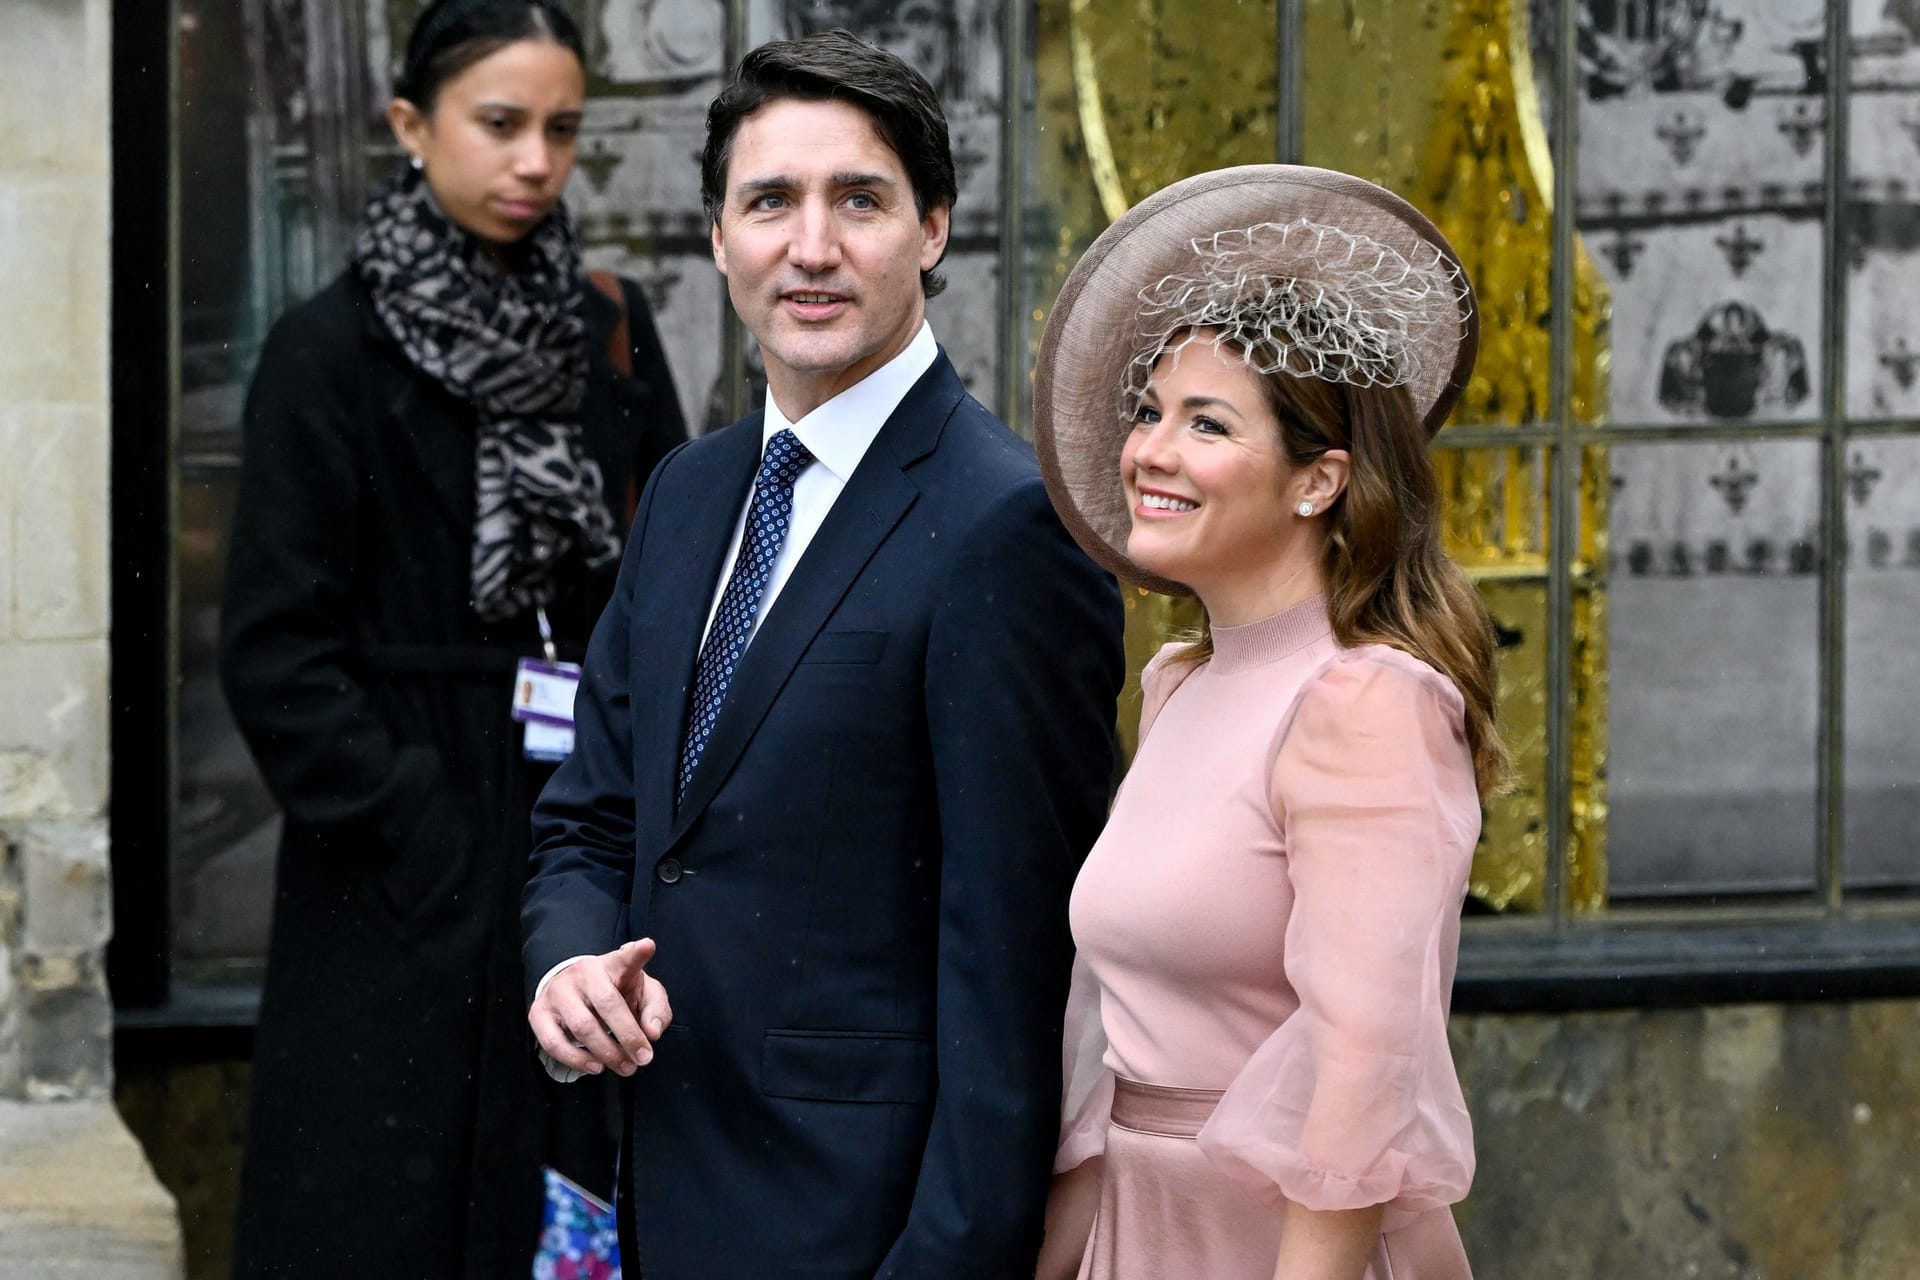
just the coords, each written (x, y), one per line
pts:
(1267, 930)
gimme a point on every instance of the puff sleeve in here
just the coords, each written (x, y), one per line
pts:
(1086, 1099)
(1353, 1101)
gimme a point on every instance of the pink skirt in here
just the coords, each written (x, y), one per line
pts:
(1167, 1214)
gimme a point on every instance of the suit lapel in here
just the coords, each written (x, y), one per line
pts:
(877, 495)
(694, 523)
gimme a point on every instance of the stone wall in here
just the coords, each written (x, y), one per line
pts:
(55, 1018)
(1748, 1142)
(76, 1195)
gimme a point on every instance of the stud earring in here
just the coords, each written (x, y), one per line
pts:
(416, 162)
(1305, 508)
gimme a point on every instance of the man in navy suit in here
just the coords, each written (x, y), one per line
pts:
(844, 738)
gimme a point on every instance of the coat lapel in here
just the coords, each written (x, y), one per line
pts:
(877, 495)
(439, 442)
(696, 529)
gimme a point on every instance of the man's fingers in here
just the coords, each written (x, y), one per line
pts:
(558, 1045)
(586, 1018)
(609, 1007)
(631, 958)
(582, 1023)
(656, 1014)
(592, 1011)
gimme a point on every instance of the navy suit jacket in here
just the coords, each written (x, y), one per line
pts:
(860, 905)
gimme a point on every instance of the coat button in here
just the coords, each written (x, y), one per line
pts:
(668, 870)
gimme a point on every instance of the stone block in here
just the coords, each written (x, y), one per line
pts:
(10, 889)
(78, 1199)
(1755, 1141)
(12, 1070)
(8, 504)
(59, 463)
(54, 258)
(53, 737)
(66, 1029)
(54, 61)
(67, 896)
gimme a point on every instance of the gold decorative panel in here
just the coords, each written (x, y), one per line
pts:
(1167, 89)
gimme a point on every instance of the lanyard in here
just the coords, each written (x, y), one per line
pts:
(546, 633)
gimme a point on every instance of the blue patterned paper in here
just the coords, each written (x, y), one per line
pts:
(578, 1238)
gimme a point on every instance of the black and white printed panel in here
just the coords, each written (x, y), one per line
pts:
(1700, 194)
(1882, 761)
(1713, 681)
(1883, 230)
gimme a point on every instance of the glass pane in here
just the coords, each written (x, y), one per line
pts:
(651, 70)
(1455, 122)
(229, 830)
(1699, 192)
(1883, 234)
(1496, 528)
(1883, 701)
(966, 318)
(1713, 632)
(225, 833)
(1127, 97)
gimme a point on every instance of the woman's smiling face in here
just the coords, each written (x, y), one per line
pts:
(1207, 481)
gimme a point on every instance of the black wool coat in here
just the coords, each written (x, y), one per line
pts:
(398, 1121)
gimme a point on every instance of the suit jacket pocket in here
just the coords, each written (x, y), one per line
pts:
(847, 648)
(847, 1066)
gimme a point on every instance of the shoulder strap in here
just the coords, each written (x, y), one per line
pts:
(620, 342)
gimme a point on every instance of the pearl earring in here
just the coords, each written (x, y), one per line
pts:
(416, 162)
(1305, 508)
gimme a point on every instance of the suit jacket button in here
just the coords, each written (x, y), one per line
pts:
(668, 870)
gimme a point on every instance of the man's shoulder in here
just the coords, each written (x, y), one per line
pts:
(987, 454)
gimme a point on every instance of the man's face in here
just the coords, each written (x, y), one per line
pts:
(822, 247)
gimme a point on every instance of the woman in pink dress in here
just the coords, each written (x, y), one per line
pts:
(1258, 1079)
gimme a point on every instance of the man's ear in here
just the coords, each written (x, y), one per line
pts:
(934, 228)
(719, 247)
(1325, 478)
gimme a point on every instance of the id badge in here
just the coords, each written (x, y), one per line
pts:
(543, 702)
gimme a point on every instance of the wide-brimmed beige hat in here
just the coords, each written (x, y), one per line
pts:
(1362, 287)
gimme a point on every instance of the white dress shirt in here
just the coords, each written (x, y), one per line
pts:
(838, 435)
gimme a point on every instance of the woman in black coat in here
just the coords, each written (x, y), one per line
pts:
(440, 454)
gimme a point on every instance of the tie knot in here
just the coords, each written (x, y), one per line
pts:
(785, 459)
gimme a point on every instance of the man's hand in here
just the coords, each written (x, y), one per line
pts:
(603, 1011)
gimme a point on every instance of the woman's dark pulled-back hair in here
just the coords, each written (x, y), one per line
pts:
(838, 66)
(452, 35)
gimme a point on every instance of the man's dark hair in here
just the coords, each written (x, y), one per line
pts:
(452, 35)
(837, 66)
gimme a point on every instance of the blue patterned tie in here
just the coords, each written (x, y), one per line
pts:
(768, 516)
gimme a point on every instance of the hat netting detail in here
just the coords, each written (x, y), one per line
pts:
(1308, 299)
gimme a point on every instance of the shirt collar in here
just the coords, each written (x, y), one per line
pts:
(839, 432)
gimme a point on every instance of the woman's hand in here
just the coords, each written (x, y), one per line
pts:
(1327, 1244)
(1070, 1209)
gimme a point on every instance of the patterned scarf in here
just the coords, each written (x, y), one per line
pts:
(512, 344)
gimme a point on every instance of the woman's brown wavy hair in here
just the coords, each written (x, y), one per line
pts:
(1388, 579)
